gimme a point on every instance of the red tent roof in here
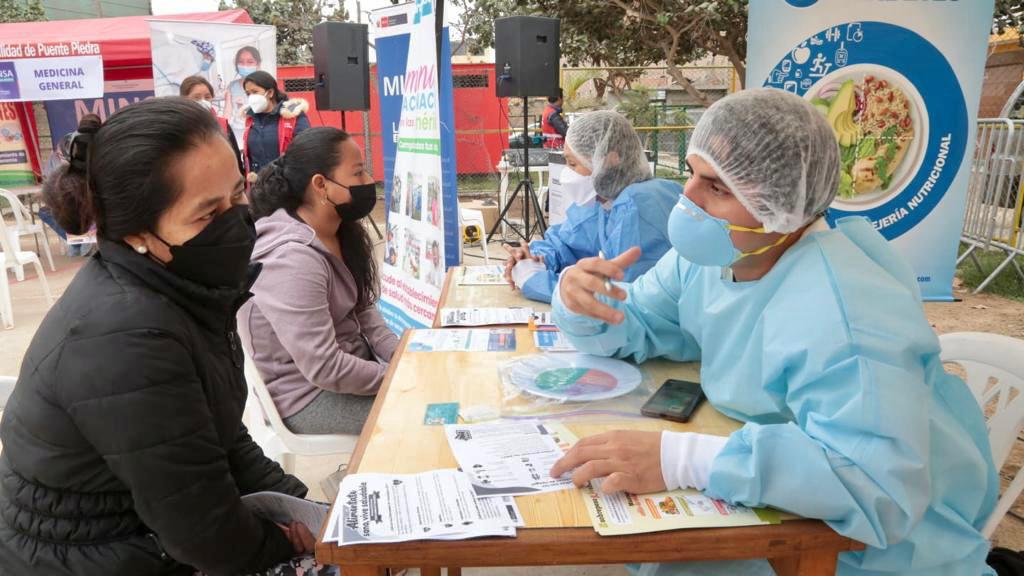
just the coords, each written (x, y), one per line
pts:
(123, 41)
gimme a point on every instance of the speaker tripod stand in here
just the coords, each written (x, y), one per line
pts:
(525, 187)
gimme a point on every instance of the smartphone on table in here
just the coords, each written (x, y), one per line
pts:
(676, 400)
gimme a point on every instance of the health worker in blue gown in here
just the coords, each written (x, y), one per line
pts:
(814, 337)
(614, 205)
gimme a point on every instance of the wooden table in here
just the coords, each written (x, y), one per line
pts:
(558, 529)
(455, 295)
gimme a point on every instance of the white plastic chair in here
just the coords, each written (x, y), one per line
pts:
(302, 444)
(23, 226)
(470, 217)
(12, 257)
(994, 366)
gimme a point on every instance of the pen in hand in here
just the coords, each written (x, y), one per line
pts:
(607, 282)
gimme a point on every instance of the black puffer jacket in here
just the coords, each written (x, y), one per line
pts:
(123, 445)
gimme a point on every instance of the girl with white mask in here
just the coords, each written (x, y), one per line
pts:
(272, 121)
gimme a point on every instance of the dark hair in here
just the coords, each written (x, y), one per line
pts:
(252, 50)
(553, 99)
(191, 82)
(264, 80)
(283, 183)
(124, 183)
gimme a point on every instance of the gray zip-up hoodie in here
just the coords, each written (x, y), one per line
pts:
(302, 327)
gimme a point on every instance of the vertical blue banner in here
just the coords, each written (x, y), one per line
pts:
(900, 83)
(418, 125)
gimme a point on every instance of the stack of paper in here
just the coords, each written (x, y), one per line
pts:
(493, 275)
(505, 459)
(552, 341)
(436, 505)
(285, 509)
(623, 513)
(485, 316)
(478, 340)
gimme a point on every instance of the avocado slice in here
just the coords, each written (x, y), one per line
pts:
(840, 115)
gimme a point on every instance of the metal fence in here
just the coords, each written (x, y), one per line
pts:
(992, 218)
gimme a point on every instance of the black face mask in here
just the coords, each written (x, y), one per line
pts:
(364, 198)
(217, 257)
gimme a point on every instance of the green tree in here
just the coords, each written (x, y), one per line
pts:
(627, 32)
(21, 11)
(1009, 14)
(294, 20)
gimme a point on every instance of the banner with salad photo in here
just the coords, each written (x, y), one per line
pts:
(899, 84)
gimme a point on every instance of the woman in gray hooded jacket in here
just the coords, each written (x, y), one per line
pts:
(312, 327)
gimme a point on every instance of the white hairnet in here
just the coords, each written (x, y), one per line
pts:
(607, 144)
(774, 151)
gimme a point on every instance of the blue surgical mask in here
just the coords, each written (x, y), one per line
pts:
(704, 240)
(246, 70)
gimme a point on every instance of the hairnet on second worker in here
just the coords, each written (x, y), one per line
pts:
(774, 151)
(607, 144)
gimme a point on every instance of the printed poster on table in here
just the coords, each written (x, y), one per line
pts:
(900, 83)
(40, 71)
(222, 53)
(419, 163)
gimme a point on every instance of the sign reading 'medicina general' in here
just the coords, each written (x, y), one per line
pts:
(59, 71)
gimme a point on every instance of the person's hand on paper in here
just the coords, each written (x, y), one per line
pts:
(628, 460)
(580, 284)
(301, 538)
(524, 270)
(516, 254)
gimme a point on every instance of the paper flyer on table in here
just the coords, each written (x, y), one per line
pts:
(485, 316)
(552, 341)
(484, 340)
(493, 275)
(440, 504)
(285, 509)
(503, 508)
(510, 458)
(622, 513)
(542, 320)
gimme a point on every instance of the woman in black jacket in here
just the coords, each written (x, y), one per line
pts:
(123, 445)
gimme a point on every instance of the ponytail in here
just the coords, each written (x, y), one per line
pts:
(273, 190)
(67, 191)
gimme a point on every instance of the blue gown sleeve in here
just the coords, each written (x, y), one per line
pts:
(859, 432)
(540, 286)
(651, 327)
(642, 221)
(565, 244)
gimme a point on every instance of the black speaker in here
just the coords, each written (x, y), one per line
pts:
(526, 56)
(341, 66)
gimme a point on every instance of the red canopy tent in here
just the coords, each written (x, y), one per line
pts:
(124, 41)
(124, 47)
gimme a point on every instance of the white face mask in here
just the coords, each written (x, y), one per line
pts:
(206, 104)
(578, 189)
(258, 103)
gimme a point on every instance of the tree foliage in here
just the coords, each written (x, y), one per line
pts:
(294, 20)
(21, 11)
(626, 32)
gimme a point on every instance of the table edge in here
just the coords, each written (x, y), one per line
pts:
(577, 546)
(449, 278)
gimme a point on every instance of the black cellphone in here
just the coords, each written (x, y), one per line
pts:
(675, 400)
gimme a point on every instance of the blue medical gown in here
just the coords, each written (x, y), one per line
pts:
(849, 415)
(637, 217)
